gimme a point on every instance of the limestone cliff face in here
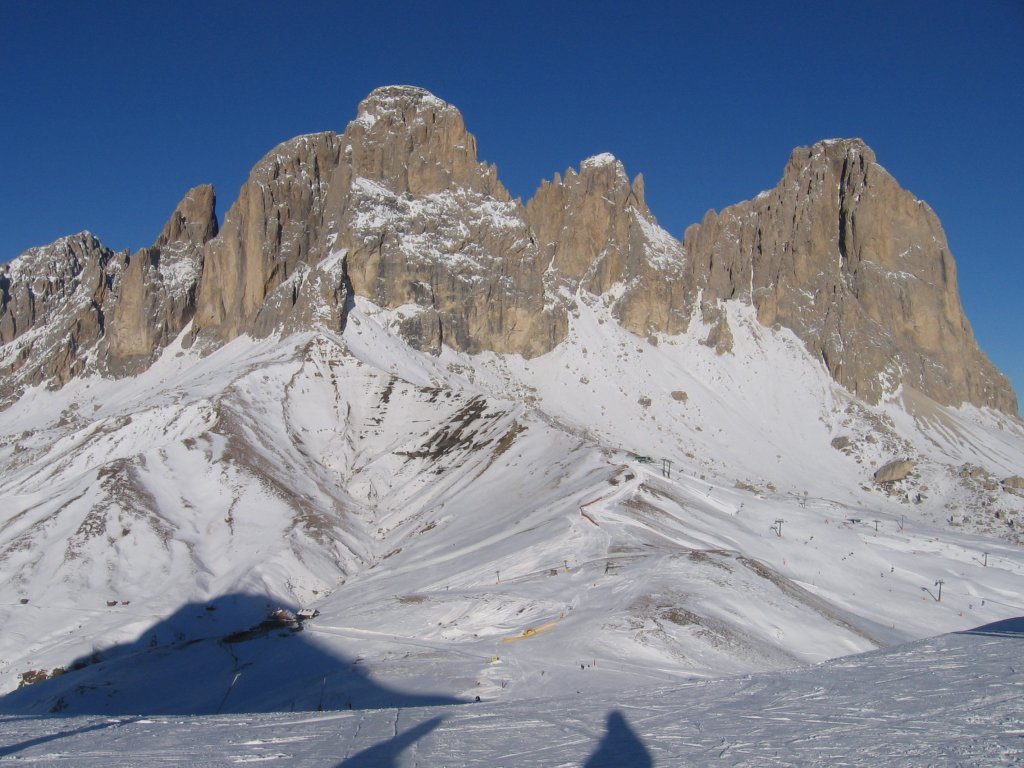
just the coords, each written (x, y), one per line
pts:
(859, 269)
(408, 140)
(276, 228)
(194, 221)
(594, 230)
(398, 209)
(426, 226)
(154, 296)
(52, 311)
(63, 301)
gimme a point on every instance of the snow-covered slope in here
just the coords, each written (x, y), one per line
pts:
(953, 700)
(480, 525)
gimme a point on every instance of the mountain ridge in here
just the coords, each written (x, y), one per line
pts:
(422, 223)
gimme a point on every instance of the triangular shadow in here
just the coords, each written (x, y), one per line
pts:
(385, 754)
(619, 747)
(206, 658)
(1005, 628)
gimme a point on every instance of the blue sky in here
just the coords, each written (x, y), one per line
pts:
(112, 110)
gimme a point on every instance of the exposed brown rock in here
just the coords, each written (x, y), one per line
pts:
(277, 223)
(52, 311)
(893, 471)
(972, 472)
(719, 337)
(428, 227)
(61, 301)
(408, 140)
(194, 221)
(595, 231)
(856, 267)
(154, 298)
(420, 222)
(424, 226)
(398, 209)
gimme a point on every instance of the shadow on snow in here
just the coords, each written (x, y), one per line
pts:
(619, 747)
(385, 754)
(208, 658)
(1004, 628)
(10, 749)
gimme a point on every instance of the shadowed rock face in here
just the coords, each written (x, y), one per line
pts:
(859, 269)
(398, 209)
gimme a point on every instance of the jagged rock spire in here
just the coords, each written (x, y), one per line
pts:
(194, 221)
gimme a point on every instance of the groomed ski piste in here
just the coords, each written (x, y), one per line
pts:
(621, 548)
(952, 700)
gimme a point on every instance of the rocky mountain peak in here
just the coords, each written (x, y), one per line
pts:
(62, 302)
(859, 269)
(602, 160)
(597, 234)
(832, 151)
(399, 210)
(194, 220)
(154, 296)
(392, 100)
(411, 141)
(52, 311)
(276, 229)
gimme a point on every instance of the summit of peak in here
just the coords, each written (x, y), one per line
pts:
(194, 220)
(597, 161)
(852, 143)
(389, 96)
(835, 147)
(830, 151)
(402, 103)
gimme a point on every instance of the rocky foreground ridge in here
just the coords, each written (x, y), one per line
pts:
(399, 210)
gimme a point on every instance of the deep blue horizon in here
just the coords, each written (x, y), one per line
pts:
(113, 111)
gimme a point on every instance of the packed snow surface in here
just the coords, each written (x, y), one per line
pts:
(953, 700)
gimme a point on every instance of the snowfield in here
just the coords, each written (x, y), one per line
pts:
(629, 549)
(952, 700)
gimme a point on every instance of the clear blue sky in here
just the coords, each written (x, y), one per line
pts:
(109, 111)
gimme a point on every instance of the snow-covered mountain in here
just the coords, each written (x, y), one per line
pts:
(505, 451)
